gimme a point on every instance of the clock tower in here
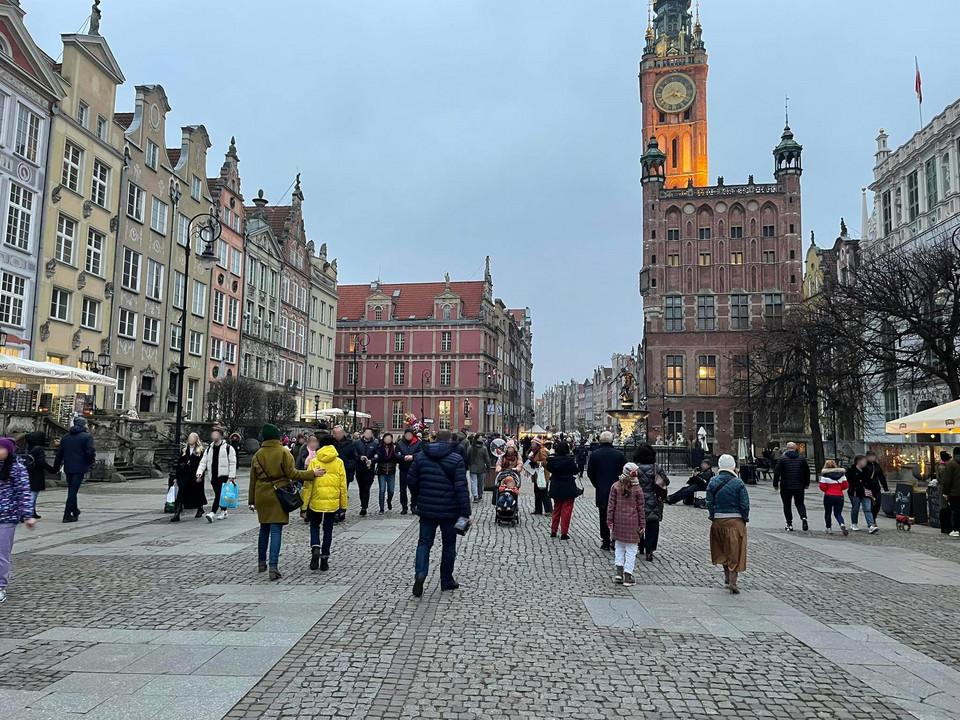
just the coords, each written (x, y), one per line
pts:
(673, 91)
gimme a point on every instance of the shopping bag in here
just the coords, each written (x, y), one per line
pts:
(229, 495)
(171, 504)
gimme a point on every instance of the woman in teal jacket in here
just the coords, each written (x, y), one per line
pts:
(729, 506)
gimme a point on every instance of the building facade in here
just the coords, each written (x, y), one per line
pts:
(321, 348)
(29, 93)
(87, 165)
(447, 352)
(720, 261)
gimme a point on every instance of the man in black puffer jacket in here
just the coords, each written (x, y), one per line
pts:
(438, 476)
(604, 468)
(791, 477)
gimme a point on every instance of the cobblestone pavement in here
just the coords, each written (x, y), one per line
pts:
(125, 615)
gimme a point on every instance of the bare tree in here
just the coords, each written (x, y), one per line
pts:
(235, 402)
(279, 407)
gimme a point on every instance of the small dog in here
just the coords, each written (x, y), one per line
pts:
(904, 522)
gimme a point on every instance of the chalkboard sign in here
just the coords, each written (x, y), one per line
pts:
(903, 502)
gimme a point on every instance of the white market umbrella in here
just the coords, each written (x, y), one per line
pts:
(941, 419)
(20, 370)
(536, 430)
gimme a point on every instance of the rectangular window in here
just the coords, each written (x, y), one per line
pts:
(769, 256)
(199, 305)
(673, 313)
(196, 343)
(153, 155)
(891, 404)
(154, 288)
(90, 314)
(886, 213)
(930, 171)
(233, 313)
(135, 202)
(736, 258)
(674, 424)
(705, 233)
(446, 373)
(707, 374)
(158, 216)
(707, 420)
(14, 288)
(446, 341)
(673, 233)
(176, 337)
(219, 306)
(223, 251)
(196, 188)
(83, 114)
(674, 384)
(102, 127)
(191, 401)
(768, 230)
(913, 196)
(151, 330)
(399, 373)
(773, 309)
(443, 410)
(72, 165)
(397, 414)
(216, 348)
(120, 391)
(706, 312)
(739, 312)
(130, 277)
(736, 231)
(399, 341)
(99, 184)
(673, 260)
(352, 373)
(741, 424)
(60, 305)
(179, 289)
(66, 239)
(19, 217)
(127, 324)
(704, 258)
(183, 230)
(236, 261)
(230, 353)
(28, 134)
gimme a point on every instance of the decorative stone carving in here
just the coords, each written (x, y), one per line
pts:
(50, 269)
(108, 290)
(55, 195)
(76, 340)
(114, 223)
(81, 280)
(105, 345)
(87, 209)
(45, 332)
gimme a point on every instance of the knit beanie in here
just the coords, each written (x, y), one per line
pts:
(9, 445)
(727, 463)
(80, 422)
(270, 432)
(630, 470)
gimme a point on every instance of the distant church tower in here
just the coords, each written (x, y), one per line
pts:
(673, 91)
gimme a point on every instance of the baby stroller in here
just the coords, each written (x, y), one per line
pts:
(508, 497)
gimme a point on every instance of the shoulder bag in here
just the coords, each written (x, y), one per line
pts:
(288, 495)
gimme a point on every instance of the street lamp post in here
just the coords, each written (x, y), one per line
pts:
(207, 228)
(89, 358)
(105, 362)
(424, 379)
(359, 341)
(316, 409)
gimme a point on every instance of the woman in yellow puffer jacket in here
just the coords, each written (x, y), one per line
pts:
(323, 498)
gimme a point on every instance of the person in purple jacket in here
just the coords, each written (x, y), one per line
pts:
(16, 506)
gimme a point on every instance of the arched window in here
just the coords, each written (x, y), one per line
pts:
(447, 312)
(378, 313)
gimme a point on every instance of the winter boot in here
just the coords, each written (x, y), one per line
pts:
(628, 580)
(618, 575)
(314, 558)
(726, 576)
(733, 583)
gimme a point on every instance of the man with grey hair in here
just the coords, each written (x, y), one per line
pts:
(604, 468)
(791, 477)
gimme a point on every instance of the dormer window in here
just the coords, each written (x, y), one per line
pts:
(447, 312)
(378, 313)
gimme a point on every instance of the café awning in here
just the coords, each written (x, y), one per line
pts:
(941, 419)
(20, 370)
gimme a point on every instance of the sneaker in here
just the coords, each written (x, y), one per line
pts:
(843, 529)
(953, 534)
(324, 564)
(553, 535)
(389, 504)
(806, 527)
(275, 574)
(605, 546)
(628, 580)
(403, 511)
(381, 511)
(209, 516)
(261, 567)
(363, 512)
(418, 586)
(789, 528)
(829, 531)
(564, 537)
(221, 515)
(874, 528)
(618, 576)
(73, 518)
(854, 528)
(3, 595)
(452, 585)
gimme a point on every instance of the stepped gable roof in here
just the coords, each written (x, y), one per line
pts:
(415, 299)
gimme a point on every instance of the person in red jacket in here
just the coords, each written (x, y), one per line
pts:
(833, 484)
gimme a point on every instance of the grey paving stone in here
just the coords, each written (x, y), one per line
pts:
(616, 613)
(104, 685)
(254, 639)
(126, 707)
(173, 659)
(233, 661)
(11, 700)
(184, 637)
(75, 702)
(193, 686)
(105, 658)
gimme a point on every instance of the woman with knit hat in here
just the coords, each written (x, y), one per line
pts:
(16, 506)
(729, 506)
(273, 467)
(627, 518)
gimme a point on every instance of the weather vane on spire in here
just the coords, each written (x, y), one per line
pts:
(786, 110)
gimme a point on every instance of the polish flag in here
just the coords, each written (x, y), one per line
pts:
(919, 83)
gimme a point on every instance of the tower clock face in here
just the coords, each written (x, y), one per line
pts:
(674, 93)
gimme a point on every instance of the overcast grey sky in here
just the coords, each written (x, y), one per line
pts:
(431, 133)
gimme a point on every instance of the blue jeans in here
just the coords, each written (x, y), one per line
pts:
(272, 533)
(867, 505)
(324, 520)
(387, 485)
(832, 505)
(74, 481)
(448, 535)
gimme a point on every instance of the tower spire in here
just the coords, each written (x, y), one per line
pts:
(786, 111)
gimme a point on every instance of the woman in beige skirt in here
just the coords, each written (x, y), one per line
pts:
(729, 507)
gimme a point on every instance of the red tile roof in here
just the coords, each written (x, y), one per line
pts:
(277, 217)
(415, 299)
(173, 155)
(124, 120)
